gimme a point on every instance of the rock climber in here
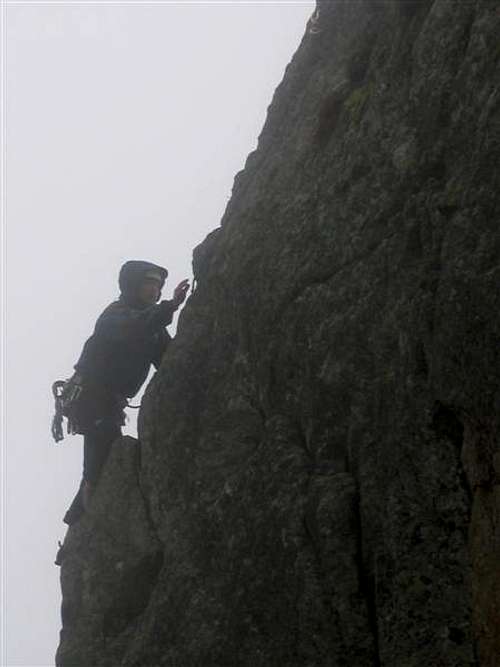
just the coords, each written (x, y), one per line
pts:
(129, 336)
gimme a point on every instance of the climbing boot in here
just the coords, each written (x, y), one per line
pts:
(60, 554)
(76, 509)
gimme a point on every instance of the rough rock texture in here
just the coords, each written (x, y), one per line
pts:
(111, 562)
(320, 459)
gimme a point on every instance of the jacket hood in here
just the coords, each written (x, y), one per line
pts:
(133, 271)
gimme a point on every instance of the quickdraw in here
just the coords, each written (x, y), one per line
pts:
(66, 393)
(57, 429)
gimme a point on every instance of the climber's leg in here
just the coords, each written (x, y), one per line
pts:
(96, 447)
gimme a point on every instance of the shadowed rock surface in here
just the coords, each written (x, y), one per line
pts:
(318, 483)
(111, 562)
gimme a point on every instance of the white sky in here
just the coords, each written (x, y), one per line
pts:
(125, 126)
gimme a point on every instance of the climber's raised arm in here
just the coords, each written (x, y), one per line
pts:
(121, 322)
(140, 316)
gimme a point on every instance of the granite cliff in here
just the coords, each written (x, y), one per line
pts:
(318, 476)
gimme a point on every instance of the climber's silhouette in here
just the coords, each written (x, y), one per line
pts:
(129, 336)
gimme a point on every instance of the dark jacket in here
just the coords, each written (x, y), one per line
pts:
(125, 342)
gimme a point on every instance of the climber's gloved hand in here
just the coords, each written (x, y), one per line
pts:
(180, 292)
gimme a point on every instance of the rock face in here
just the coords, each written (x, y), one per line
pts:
(111, 561)
(319, 473)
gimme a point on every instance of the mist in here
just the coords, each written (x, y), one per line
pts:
(125, 126)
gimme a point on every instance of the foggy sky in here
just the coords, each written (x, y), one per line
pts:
(126, 124)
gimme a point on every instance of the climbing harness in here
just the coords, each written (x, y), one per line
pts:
(67, 394)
